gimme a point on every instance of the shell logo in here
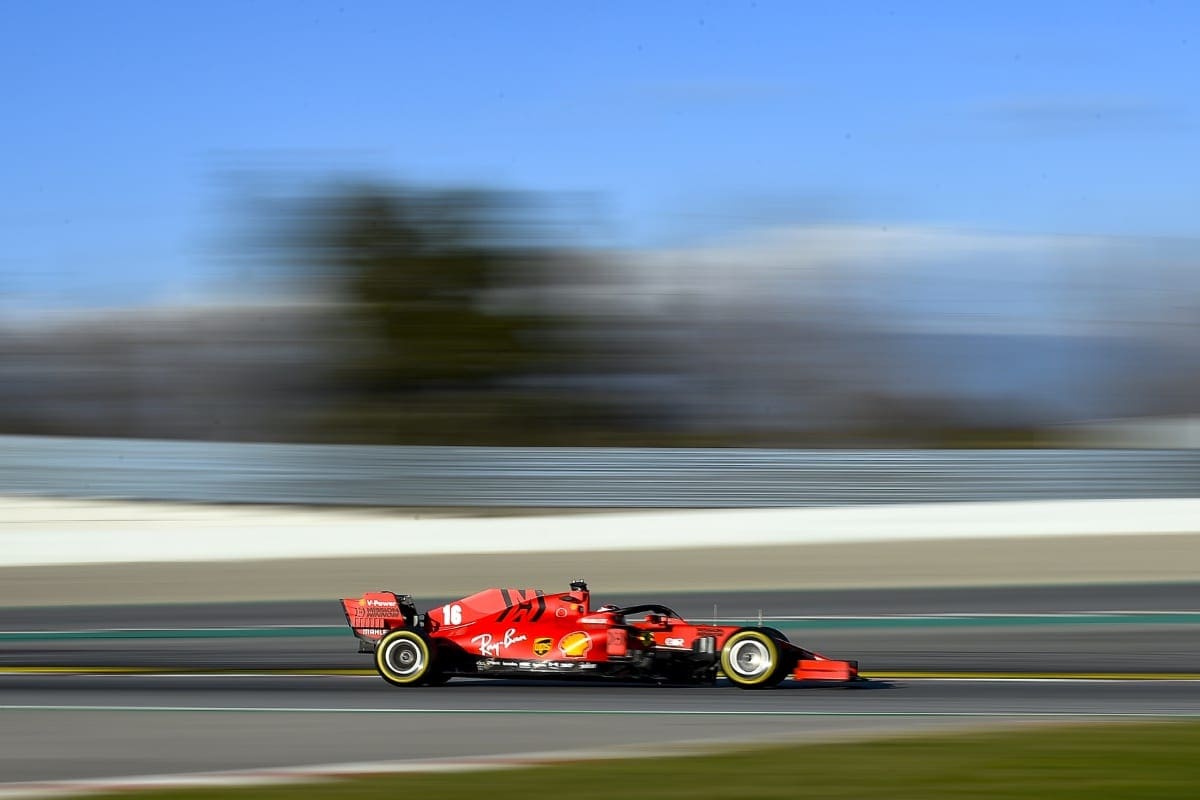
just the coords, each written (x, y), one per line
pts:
(575, 645)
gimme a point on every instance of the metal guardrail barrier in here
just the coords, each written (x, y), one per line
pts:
(579, 477)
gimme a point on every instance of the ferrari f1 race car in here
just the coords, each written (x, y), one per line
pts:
(507, 633)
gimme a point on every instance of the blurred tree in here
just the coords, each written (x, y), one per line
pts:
(446, 338)
(418, 267)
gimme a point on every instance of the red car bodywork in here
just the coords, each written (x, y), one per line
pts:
(522, 632)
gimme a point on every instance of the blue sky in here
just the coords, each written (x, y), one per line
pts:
(685, 121)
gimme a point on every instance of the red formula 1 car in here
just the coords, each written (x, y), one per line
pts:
(506, 633)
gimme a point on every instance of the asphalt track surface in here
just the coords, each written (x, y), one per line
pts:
(72, 727)
(1081, 630)
(76, 725)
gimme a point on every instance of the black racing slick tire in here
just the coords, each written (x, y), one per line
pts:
(753, 659)
(405, 658)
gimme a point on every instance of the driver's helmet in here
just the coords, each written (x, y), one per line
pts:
(607, 609)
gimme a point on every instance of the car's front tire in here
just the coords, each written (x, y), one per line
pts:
(405, 658)
(752, 659)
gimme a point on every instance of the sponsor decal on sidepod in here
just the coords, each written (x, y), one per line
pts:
(489, 647)
(575, 644)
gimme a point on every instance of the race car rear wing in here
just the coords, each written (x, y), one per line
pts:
(376, 614)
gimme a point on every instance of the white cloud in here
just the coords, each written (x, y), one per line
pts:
(910, 277)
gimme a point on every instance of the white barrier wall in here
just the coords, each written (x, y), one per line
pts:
(49, 532)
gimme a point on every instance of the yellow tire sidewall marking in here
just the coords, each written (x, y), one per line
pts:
(757, 636)
(381, 661)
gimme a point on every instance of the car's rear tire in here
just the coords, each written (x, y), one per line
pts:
(405, 658)
(753, 659)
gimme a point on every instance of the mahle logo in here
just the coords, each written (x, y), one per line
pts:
(542, 646)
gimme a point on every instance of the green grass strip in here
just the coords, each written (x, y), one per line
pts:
(1112, 761)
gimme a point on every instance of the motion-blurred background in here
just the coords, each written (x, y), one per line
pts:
(744, 224)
